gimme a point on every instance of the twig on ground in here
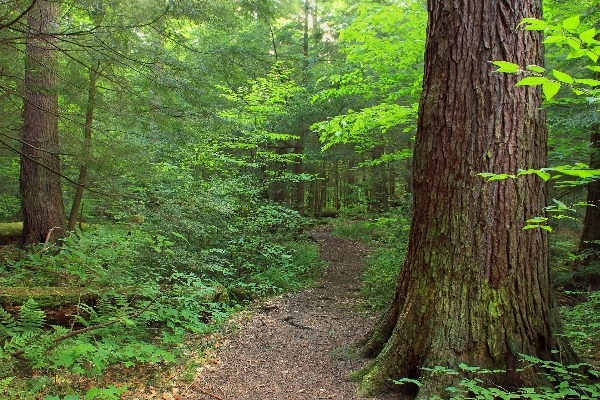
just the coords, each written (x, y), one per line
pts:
(195, 385)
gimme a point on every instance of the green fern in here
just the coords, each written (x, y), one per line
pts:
(4, 383)
(8, 324)
(31, 317)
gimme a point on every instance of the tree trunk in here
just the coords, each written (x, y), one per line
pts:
(87, 143)
(587, 270)
(336, 185)
(41, 193)
(298, 170)
(474, 287)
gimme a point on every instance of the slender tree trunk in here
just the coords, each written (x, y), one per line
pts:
(474, 287)
(589, 245)
(298, 170)
(305, 43)
(350, 192)
(87, 143)
(41, 192)
(377, 190)
(336, 185)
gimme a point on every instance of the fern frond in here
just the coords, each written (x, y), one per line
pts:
(31, 316)
(8, 324)
(4, 383)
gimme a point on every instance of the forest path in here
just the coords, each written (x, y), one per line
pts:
(297, 346)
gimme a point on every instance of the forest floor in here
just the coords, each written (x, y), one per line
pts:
(296, 346)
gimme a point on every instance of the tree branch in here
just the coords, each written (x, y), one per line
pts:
(14, 21)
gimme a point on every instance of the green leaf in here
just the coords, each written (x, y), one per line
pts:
(533, 24)
(588, 36)
(555, 39)
(465, 367)
(561, 76)
(537, 220)
(535, 68)
(92, 393)
(407, 380)
(546, 227)
(589, 82)
(550, 89)
(571, 23)
(532, 81)
(574, 43)
(576, 53)
(495, 177)
(542, 174)
(506, 67)
(594, 68)
(593, 55)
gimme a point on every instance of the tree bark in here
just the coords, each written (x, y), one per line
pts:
(87, 144)
(474, 287)
(589, 245)
(41, 192)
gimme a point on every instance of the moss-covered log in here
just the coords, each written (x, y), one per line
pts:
(475, 286)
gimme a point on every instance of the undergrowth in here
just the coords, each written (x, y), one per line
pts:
(120, 297)
(576, 381)
(387, 235)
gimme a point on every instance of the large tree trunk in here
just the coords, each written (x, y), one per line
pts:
(474, 287)
(41, 193)
(589, 245)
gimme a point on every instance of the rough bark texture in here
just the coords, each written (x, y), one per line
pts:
(474, 287)
(586, 269)
(41, 194)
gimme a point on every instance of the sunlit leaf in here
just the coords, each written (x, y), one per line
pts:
(535, 68)
(574, 43)
(506, 67)
(571, 23)
(561, 76)
(537, 220)
(555, 39)
(588, 36)
(533, 24)
(576, 53)
(550, 89)
(532, 81)
(589, 82)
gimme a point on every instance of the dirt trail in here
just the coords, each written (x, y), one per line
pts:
(297, 346)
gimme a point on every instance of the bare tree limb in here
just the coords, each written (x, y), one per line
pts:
(14, 21)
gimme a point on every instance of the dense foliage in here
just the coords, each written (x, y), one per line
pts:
(199, 140)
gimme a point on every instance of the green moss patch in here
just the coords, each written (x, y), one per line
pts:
(46, 296)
